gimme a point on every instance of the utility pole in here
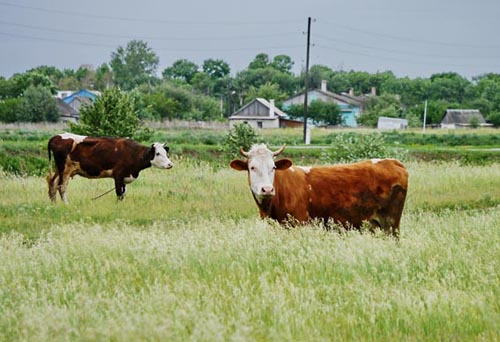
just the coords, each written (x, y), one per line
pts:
(306, 82)
(425, 117)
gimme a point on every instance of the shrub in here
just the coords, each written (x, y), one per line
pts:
(494, 118)
(241, 135)
(348, 148)
(474, 122)
(112, 114)
(10, 109)
(38, 105)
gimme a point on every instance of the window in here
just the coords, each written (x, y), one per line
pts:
(259, 124)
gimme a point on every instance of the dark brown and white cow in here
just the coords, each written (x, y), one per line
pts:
(119, 158)
(372, 191)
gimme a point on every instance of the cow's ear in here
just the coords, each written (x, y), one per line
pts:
(283, 164)
(239, 165)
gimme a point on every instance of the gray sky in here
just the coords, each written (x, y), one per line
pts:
(410, 38)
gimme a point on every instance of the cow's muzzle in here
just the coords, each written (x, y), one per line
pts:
(267, 191)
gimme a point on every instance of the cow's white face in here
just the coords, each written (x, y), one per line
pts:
(160, 158)
(261, 169)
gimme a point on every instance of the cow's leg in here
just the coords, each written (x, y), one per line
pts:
(51, 181)
(63, 184)
(120, 188)
(394, 211)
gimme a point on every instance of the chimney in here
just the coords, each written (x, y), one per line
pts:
(351, 92)
(323, 85)
(271, 108)
(374, 91)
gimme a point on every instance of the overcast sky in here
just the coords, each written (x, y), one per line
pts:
(410, 38)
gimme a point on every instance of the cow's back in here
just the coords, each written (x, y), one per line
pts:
(352, 193)
(348, 194)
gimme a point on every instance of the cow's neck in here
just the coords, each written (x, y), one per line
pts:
(265, 206)
(145, 160)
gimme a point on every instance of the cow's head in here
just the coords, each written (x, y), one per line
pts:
(261, 167)
(159, 156)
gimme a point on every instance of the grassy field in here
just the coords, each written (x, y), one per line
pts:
(185, 257)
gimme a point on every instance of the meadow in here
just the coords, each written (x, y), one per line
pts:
(185, 258)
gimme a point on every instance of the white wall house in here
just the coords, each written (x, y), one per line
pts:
(259, 113)
(391, 123)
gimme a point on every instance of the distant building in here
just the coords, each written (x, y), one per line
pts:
(350, 105)
(460, 118)
(391, 123)
(67, 113)
(261, 113)
(75, 100)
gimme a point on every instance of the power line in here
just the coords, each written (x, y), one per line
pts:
(107, 35)
(405, 61)
(410, 39)
(377, 48)
(218, 49)
(146, 20)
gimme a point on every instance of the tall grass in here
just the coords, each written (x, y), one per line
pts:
(184, 257)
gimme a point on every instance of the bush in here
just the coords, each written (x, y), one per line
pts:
(112, 114)
(494, 118)
(11, 109)
(241, 135)
(38, 105)
(348, 148)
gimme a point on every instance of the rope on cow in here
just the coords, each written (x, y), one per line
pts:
(107, 192)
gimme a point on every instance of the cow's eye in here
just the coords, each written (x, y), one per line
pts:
(274, 167)
(157, 153)
(252, 168)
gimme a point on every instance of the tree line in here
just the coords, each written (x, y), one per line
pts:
(186, 90)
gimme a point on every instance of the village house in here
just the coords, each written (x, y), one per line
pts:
(461, 118)
(261, 113)
(350, 105)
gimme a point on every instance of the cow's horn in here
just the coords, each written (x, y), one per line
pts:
(243, 153)
(280, 150)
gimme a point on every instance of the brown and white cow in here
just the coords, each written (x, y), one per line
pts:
(119, 158)
(372, 191)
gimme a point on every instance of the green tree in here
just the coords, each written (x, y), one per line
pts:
(216, 68)
(202, 83)
(282, 63)
(267, 91)
(20, 82)
(103, 77)
(494, 118)
(412, 92)
(51, 72)
(488, 88)
(11, 109)
(112, 114)
(450, 87)
(260, 61)
(385, 105)
(318, 73)
(325, 113)
(38, 105)
(181, 69)
(322, 113)
(134, 65)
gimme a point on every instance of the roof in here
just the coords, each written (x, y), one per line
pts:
(352, 100)
(258, 109)
(65, 109)
(82, 93)
(462, 116)
(344, 98)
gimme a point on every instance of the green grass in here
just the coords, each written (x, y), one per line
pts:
(185, 257)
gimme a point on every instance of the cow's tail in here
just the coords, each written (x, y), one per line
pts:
(49, 173)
